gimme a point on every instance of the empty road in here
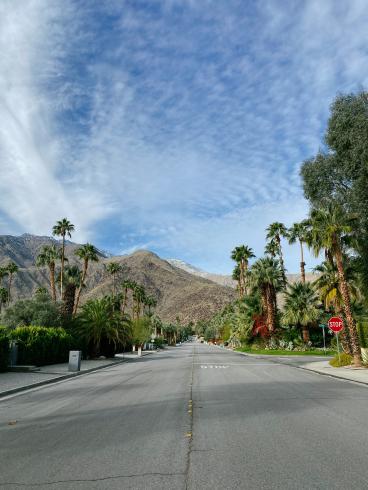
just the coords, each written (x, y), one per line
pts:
(191, 417)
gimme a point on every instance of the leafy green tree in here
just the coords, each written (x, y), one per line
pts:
(63, 228)
(333, 226)
(301, 307)
(40, 310)
(88, 253)
(141, 330)
(298, 232)
(98, 322)
(275, 232)
(340, 173)
(48, 257)
(12, 269)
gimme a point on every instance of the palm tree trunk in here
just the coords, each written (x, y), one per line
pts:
(62, 267)
(85, 267)
(69, 300)
(305, 334)
(344, 288)
(9, 286)
(302, 263)
(52, 281)
(124, 301)
(270, 310)
(281, 260)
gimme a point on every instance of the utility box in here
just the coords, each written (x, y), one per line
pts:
(75, 357)
(13, 354)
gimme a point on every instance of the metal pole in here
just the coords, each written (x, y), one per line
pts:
(324, 339)
(338, 348)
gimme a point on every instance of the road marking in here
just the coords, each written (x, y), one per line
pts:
(213, 366)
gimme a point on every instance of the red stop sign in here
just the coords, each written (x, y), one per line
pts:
(335, 324)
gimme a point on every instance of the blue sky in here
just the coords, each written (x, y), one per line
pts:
(176, 125)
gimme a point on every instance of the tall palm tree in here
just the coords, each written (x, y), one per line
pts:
(72, 280)
(271, 249)
(3, 273)
(12, 269)
(267, 278)
(139, 297)
(128, 285)
(332, 226)
(298, 232)
(3, 297)
(63, 228)
(242, 254)
(236, 277)
(48, 257)
(301, 307)
(275, 232)
(113, 268)
(88, 253)
(150, 302)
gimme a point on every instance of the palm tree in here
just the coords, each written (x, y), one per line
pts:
(298, 232)
(301, 307)
(332, 226)
(275, 232)
(150, 302)
(127, 285)
(98, 321)
(271, 249)
(88, 253)
(12, 269)
(113, 268)
(139, 297)
(242, 254)
(267, 278)
(48, 256)
(236, 277)
(72, 280)
(3, 274)
(3, 297)
(63, 228)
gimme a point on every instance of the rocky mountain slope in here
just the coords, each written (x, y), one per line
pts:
(179, 293)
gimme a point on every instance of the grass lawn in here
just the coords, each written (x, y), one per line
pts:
(280, 352)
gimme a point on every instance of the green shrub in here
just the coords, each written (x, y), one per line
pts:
(345, 360)
(40, 310)
(159, 342)
(4, 349)
(42, 345)
(363, 334)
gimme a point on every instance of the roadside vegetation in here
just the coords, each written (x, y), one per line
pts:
(273, 316)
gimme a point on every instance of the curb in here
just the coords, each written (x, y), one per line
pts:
(57, 379)
(364, 383)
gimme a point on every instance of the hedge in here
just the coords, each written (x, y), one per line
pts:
(4, 349)
(42, 345)
(363, 334)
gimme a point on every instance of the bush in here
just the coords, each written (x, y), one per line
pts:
(345, 360)
(159, 342)
(42, 345)
(38, 311)
(363, 334)
(4, 349)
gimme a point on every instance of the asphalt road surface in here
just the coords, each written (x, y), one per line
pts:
(191, 417)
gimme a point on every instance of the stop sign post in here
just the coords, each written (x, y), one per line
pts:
(335, 324)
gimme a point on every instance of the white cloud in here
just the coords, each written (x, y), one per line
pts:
(181, 129)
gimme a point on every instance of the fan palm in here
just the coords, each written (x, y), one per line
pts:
(332, 226)
(63, 228)
(12, 269)
(3, 297)
(298, 232)
(301, 307)
(275, 232)
(72, 280)
(48, 257)
(113, 268)
(241, 255)
(88, 253)
(267, 278)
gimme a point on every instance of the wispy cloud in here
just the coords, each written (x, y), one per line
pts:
(178, 125)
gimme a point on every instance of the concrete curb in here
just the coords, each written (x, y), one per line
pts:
(330, 375)
(57, 379)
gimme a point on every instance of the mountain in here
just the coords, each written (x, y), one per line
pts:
(227, 280)
(221, 279)
(179, 293)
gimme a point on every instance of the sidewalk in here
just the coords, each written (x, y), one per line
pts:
(14, 382)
